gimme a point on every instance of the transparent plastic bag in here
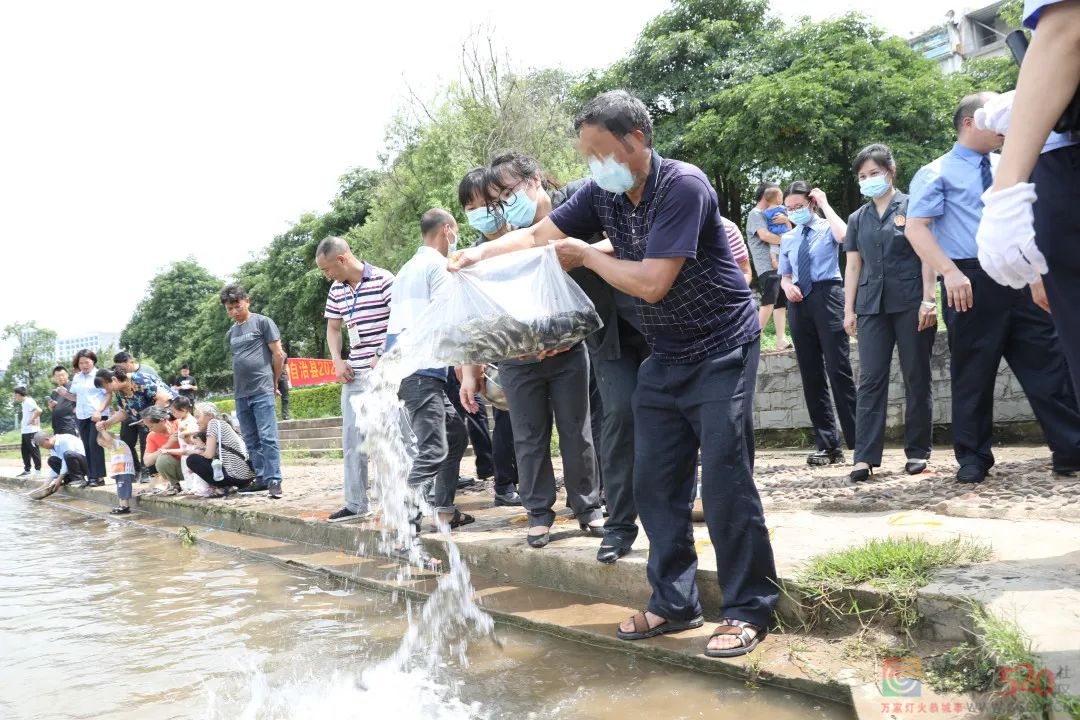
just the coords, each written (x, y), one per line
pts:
(510, 306)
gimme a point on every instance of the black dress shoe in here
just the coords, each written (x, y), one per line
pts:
(254, 487)
(538, 541)
(970, 474)
(826, 457)
(914, 467)
(608, 554)
(861, 474)
(594, 530)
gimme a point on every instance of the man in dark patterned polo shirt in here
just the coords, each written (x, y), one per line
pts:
(668, 249)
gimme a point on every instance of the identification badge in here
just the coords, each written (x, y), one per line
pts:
(354, 335)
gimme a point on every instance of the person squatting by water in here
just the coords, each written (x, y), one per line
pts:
(987, 321)
(257, 358)
(359, 300)
(695, 391)
(440, 433)
(67, 459)
(889, 303)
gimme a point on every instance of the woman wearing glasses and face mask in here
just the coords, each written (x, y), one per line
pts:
(889, 303)
(810, 278)
(537, 388)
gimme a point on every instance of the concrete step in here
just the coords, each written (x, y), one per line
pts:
(310, 423)
(308, 433)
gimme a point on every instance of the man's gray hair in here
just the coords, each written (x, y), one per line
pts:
(332, 246)
(618, 112)
(39, 436)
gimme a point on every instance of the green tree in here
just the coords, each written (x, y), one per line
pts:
(30, 366)
(839, 85)
(205, 349)
(167, 314)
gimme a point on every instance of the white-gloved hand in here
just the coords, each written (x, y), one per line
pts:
(1006, 237)
(995, 114)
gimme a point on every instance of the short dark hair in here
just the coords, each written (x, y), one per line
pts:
(182, 402)
(617, 111)
(232, 293)
(475, 181)
(105, 376)
(58, 368)
(878, 153)
(123, 357)
(185, 366)
(434, 219)
(760, 192)
(332, 245)
(20, 390)
(520, 167)
(799, 187)
(84, 353)
(967, 107)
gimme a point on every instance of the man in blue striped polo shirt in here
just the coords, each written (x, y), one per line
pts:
(668, 249)
(359, 299)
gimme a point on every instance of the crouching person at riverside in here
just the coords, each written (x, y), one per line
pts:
(67, 458)
(120, 466)
(222, 444)
(696, 389)
(160, 441)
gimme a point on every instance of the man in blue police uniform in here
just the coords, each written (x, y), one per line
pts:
(987, 321)
(669, 250)
(1018, 238)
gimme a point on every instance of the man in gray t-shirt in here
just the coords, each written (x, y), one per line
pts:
(255, 344)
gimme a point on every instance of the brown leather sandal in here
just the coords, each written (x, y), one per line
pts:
(643, 631)
(740, 627)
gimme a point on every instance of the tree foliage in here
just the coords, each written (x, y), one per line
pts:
(166, 317)
(30, 366)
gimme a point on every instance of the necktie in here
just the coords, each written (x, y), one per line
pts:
(987, 176)
(805, 282)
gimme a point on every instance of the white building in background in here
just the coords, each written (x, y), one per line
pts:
(965, 35)
(67, 347)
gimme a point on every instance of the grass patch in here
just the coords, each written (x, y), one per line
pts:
(976, 667)
(897, 567)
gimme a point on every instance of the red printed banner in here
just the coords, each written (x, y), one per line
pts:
(310, 371)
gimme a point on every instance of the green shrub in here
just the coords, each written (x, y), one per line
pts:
(318, 401)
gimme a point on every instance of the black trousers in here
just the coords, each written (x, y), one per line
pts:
(30, 452)
(477, 425)
(616, 381)
(76, 465)
(879, 334)
(1006, 323)
(283, 388)
(823, 352)
(95, 455)
(202, 467)
(502, 452)
(679, 409)
(1057, 233)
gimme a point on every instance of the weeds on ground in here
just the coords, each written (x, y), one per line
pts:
(187, 536)
(896, 566)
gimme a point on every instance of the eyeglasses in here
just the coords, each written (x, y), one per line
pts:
(790, 208)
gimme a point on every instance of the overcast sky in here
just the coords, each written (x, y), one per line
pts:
(134, 134)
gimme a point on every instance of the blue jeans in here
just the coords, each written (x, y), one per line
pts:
(258, 425)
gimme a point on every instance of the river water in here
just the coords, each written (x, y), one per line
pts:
(102, 620)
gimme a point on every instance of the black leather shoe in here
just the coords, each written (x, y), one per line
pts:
(970, 474)
(914, 467)
(538, 541)
(826, 457)
(1066, 472)
(861, 474)
(594, 530)
(608, 554)
(254, 488)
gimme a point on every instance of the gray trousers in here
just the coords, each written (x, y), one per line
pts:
(440, 438)
(616, 378)
(352, 438)
(534, 391)
(878, 335)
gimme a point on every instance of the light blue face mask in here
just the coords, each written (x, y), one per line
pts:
(485, 220)
(521, 210)
(802, 216)
(873, 187)
(611, 175)
(452, 246)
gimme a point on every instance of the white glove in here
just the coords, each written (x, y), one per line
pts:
(995, 114)
(1006, 237)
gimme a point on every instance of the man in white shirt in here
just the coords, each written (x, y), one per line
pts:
(440, 433)
(31, 423)
(67, 457)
